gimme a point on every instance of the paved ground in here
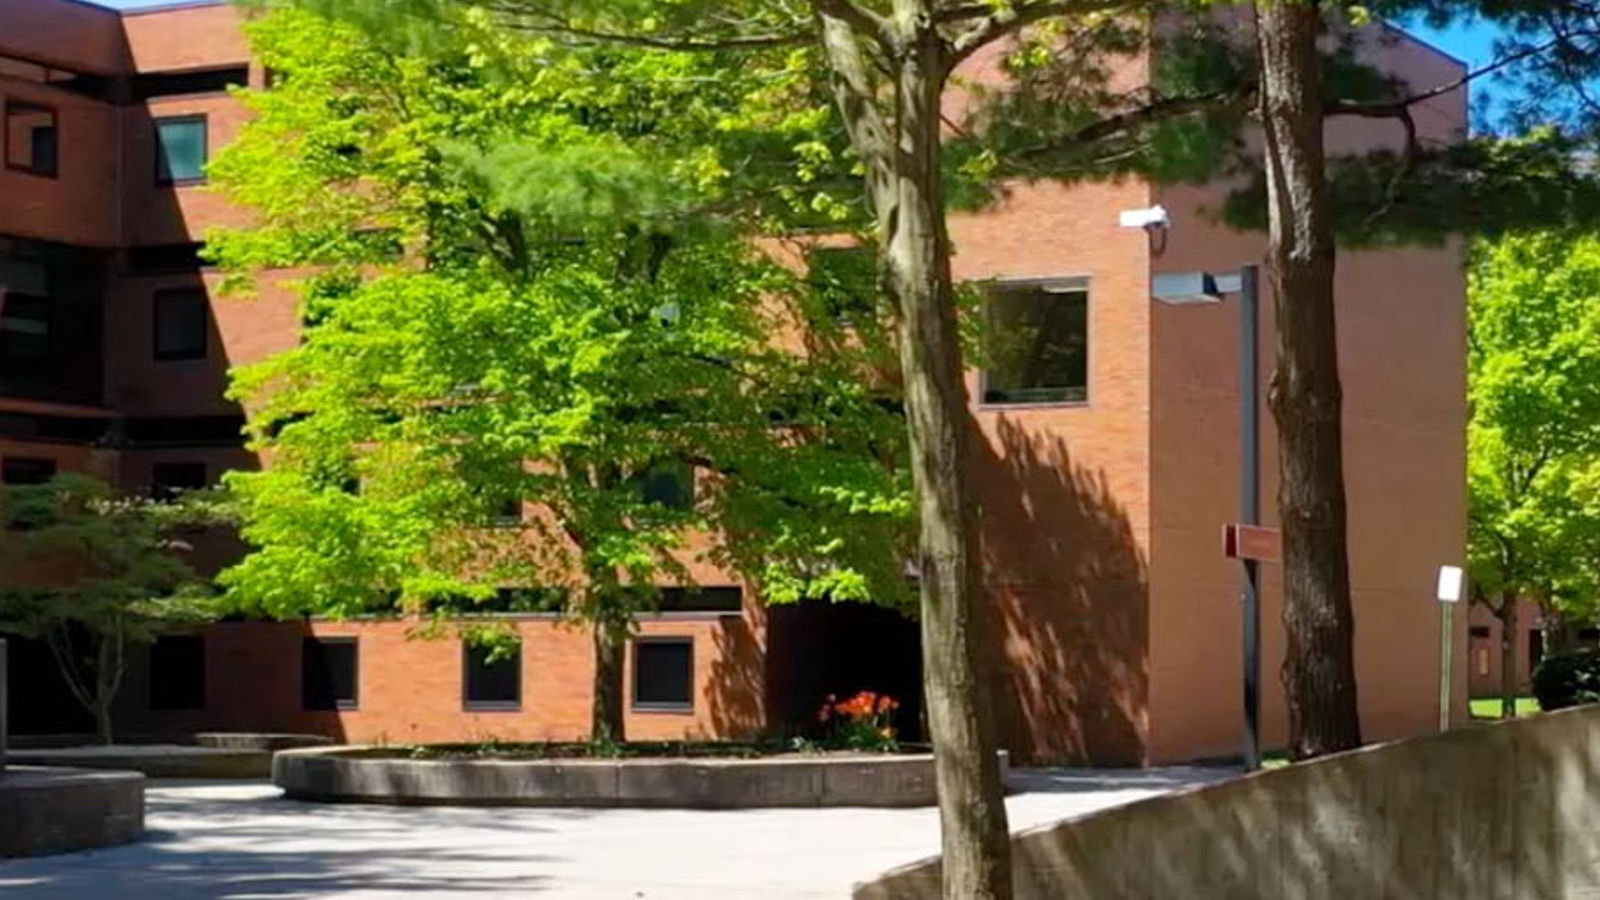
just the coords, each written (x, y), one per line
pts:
(243, 841)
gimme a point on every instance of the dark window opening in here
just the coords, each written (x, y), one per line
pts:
(26, 470)
(1479, 631)
(97, 86)
(1535, 647)
(663, 673)
(159, 259)
(728, 598)
(180, 150)
(846, 280)
(170, 479)
(669, 484)
(31, 138)
(203, 81)
(491, 684)
(1589, 634)
(151, 431)
(178, 672)
(24, 328)
(1037, 344)
(181, 324)
(328, 673)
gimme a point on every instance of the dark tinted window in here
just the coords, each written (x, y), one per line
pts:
(166, 84)
(181, 323)
(169, 479)
(701, 599)
(493, 684)
(97, 86)
(24, 327)
(670, 484)
(663, 673)
(1479, 631)
(161, 258)
(25, 470)
(31, 137)
(178, 672)
(328, 673)
(180, 149)
(1037, 345)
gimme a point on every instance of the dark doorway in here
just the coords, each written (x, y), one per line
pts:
(39, 700)
(816, 648)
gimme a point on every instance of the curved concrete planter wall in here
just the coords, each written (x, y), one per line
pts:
(858, 780)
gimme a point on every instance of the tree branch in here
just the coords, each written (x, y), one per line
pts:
(1154, 111)
(538, 21)
(1394, 108)
(1012, 19)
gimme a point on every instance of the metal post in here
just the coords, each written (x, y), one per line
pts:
(1250, 507)
(1446, 646)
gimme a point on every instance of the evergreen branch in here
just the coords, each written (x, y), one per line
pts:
(1394, 108)
(1000, 23)
(1152, 112)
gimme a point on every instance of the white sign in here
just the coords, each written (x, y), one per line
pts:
(1449, 584)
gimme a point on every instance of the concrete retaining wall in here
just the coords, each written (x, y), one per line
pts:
(866, 780)
(56, 810)
(1506, 811)
(154, 760)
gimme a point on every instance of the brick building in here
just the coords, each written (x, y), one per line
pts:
(1104, 477)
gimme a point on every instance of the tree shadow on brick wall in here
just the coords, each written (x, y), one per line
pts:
(738, 680)
(1066, 581)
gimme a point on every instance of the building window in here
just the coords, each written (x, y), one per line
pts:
(181, 324)
(160, 259)
(491, 684)
(669, 484)
(180, 150)
(26, 470)
(663, 674)
(169, 479)
(1481, 661)
(31, 138)
(24, 327)
(328, 673)
(178, 672)
(195, 81)
(725, 598)
(1479, 631)
(1037, 343)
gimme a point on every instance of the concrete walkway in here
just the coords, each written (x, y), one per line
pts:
(241, 840)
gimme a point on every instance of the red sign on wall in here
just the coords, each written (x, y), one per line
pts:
(1256, 542)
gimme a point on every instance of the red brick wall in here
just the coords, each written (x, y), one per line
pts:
(410, 688)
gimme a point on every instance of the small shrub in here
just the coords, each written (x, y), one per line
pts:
(861, 722)
(1568, 680)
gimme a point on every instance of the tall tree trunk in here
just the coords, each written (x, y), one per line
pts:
(975, 837)
(1319, 670)
(610, 643)
(1507, 614)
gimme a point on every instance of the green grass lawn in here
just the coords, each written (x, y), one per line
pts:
(1489, 707)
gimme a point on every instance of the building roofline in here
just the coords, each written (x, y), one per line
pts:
(1427, 45)
(169, 7)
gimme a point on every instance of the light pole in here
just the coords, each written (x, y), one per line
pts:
(1182, 288)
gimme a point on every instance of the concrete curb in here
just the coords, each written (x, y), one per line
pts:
(154, 761)
(338, 774)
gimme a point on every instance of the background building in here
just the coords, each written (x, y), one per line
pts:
(1104, 474)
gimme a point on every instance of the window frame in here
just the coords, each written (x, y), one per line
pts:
(205, 147)
(156, 352)
(5, 137)
(339, 705)
(468, 704)
(44, 301)
(657, 706)
(1062, 284)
